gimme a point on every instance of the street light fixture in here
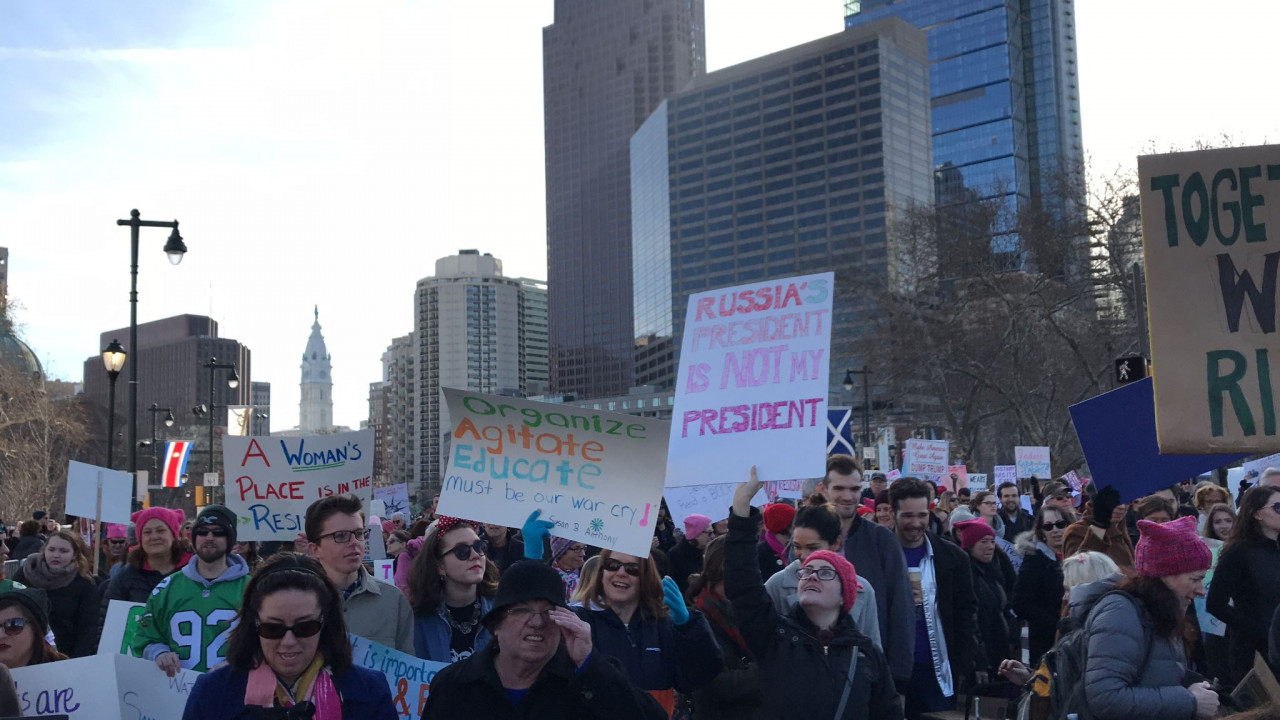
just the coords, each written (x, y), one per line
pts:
(113, 358)
(865, 372)
(233, 382)
(174, 249)
(155, 446)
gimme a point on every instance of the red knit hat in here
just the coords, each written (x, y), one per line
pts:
(778, 517)
(1171, 548)
(172, 518)
(844, 568)
(971, 531)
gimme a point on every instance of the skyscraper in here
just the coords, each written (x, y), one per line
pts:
(789, 164)
(606, 66)
(1005, 95)
(315, 407)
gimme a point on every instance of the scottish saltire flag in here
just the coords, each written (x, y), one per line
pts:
(839, 434)
(176, 455)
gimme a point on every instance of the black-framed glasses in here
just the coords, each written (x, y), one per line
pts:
(1061, 525)
(523, 613)
(201, 532)
(614, 565)
(462, 551)
(276, 630)
(342, 537)
(822, 573)
(13, 626)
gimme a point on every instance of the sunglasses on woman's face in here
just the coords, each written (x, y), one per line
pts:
(614, 565)
(276, 631)
(13, 626)
(462, 552)
(1060, 525)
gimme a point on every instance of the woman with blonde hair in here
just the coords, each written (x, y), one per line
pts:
(62, 571)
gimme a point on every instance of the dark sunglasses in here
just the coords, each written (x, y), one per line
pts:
(13, 626)
(614, 565)
(462, 552)
(201, 532)
(276, 631)
(1060, 525)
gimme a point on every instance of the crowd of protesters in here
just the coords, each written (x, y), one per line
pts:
(863, 599)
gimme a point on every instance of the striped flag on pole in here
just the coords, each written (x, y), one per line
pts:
(176, 455)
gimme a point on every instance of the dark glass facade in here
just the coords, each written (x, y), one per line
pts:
(606, 66)
(785, 165)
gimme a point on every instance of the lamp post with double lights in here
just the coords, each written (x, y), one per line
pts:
(233, 382)
(113, 358)
(175, 249)
(168, 422)
(865, 372)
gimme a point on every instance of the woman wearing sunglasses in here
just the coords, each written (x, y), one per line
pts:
(814, 662)
(1037, 594)
(451, 587)
(288, 655)
(1246, 584)
(24, 627)
(641, 619)
(62, 571)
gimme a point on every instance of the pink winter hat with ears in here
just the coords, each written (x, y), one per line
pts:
(172, 518)
(115, 530)
(695, 525)
(1171, 548)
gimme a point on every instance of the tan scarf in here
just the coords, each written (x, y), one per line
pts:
(37, 573)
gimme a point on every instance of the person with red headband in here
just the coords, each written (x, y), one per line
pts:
(451, 587)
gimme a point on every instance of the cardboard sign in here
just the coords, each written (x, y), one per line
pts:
(1117, 432)
(957, 477)
(597, 475)
(102, 687)
(710, 500)
(83, 481)
(1207, 217)
(753, 382)
(118, 629)
(1032, 462)
(1259, 687)
(408, 677)
(1254, 468)
(272, 480)
(978, 481)
(926, 458)
(395, 498)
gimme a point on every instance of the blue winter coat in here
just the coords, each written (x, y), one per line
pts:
(1132, 673)
(219, 695)
(657, 654)
(432, 633)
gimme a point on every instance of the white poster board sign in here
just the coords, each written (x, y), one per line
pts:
(1253, 469)
(753, 382)
(710, 500)
(119, 627)
(926, 458)
(1006, 473)
(979, 481)
(1032, 462)
(272, 480)
(83, 481)
(102, 687)
(596, 475)
(395, 498)
(385, 570)
(785, 489)
(375, 546)
(408, 677)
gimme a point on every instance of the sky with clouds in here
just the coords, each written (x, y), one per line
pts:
(327, 153)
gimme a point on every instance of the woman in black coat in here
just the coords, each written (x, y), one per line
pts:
(62, 571)
(1245, 591)
(993, 583)
(735, 692)
(1038, 593)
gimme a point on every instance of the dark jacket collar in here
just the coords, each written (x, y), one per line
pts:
(482, 666)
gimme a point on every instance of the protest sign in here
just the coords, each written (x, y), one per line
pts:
(394, 499)
(1254, 468)
(892, 475)
(753, 382)
(1074, 481)
(786, 489)
(1117, 432)
(1006, 473)
(102, 687)
(978, 481)
(1032, 462)
(375, 545)
(926, 458)
(596, 475)
(83, 481)
(957, 477)
(272, 480)
(120, 625)
(408, 677)
(710, 500)
(1211, 296)
(385, 570)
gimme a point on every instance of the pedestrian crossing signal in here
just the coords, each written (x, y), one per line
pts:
(1130, 369)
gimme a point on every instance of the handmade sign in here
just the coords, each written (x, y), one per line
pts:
(385, 570)
(926, 458)
(83, 483)
(786, 489)
(1006, 473)
(408, 677)
(957, 477)
(395, 498)
(120, 625)
(753, 382)
(892, 475)
(710, 500)
(102, 687)
(272, 480)
(596, 475)
(1073, 481)
(1211, 275)
(1254, 468)
(1032, 462)
(978, 481)
(1117, 432)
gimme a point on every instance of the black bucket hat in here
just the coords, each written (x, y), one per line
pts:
(524, 581)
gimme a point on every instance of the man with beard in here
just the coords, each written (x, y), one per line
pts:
(188, 616)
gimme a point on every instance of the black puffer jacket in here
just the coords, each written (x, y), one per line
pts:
(1037, 596)
(799, 676)
(73, 614)
(994, 591)
(1245, 594)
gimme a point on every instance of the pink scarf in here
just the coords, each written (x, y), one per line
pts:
(264, 689)
(776, 546)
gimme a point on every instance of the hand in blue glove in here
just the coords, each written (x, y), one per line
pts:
(674, 601)
(534, 532)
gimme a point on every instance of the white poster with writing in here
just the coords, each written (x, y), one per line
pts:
(710, 500)
(102, 687)
(927, 458)
(1032, 462)
(408, 677)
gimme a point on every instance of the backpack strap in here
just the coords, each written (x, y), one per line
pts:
(848, 684)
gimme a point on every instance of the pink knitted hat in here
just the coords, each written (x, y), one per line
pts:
(172, 518)
(971, 531)
(695, 525)
(115, 530)
(1171, 548)
(844, 568)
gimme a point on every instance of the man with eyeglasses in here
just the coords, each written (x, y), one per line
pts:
(375, 610)
(188, 616)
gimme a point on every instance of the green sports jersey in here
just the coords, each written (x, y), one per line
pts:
(191, 618)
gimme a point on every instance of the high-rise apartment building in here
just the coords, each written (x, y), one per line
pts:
(537, 364)
(606, 66)
(1005, 96)
(469, 332)
(261, 397)
(789, 164)
(397, 399)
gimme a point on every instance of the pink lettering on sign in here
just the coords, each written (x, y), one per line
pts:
(779, 415)
(742, 302)
(772, 328)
